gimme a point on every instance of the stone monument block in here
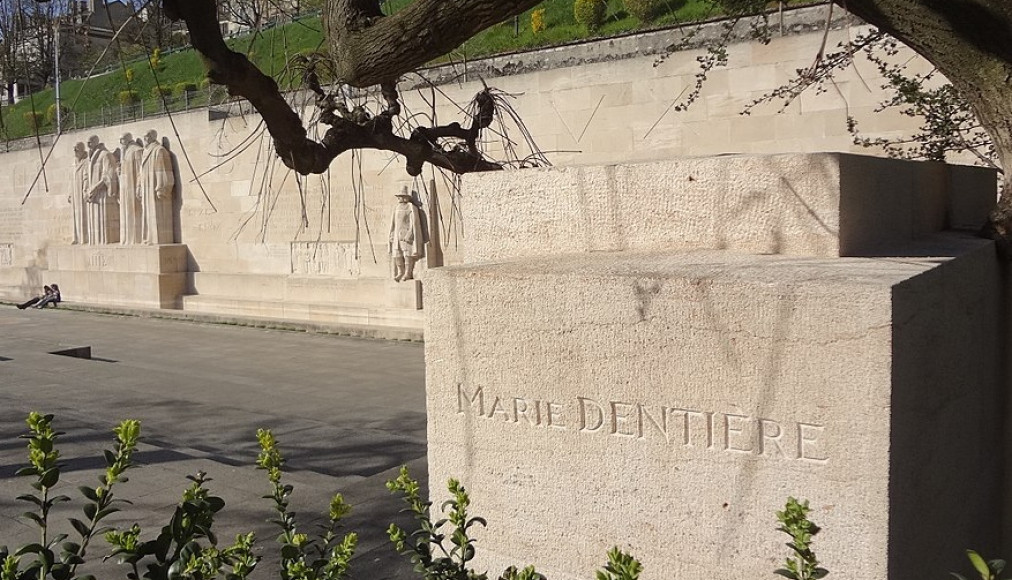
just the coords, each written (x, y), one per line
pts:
(126, 275)
(667, 371)
(826, 204)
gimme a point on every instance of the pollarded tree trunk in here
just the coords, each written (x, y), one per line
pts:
(970, 41)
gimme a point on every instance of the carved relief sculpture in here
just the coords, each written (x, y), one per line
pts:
(129, 200)
(78, 189)
(407, 237)
(155, 188)
(102, 192)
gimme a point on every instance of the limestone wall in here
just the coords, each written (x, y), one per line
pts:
(263, 241)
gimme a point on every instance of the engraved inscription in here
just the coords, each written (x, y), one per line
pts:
(6, 254)
(716, 431)
(98, 260)
(325, 259)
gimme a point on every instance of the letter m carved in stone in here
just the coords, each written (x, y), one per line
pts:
(477, 397)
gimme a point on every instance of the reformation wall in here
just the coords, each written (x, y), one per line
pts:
(691, 317)
(239, 234)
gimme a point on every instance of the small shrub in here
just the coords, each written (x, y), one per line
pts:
(325, 557)
(621, 566)
(52, 556)
(129, 74)
(186, 548)
(155, 60)
(184, 88)
(795, 523)
(51, 113)
(590, 13)
(644, 10)
(538, 24)
(436, 559)
(129, 98)
(159, 92)
(33, 119)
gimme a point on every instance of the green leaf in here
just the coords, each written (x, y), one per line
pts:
(30, 549)
(30, 499)
(175, 570)
(104, 512)
(998, 566)
(60, 572)
(89, 493)
(48, 557)
(50, 477)
(979, 564)
(56, 540)
(81, 527)
(35, 518)
(74, 560)
(90, 510)
(789, 574)
(289, 552)
(215, 503)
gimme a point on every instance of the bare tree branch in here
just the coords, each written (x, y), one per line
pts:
(348, 129)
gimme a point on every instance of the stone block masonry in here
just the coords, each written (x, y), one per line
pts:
(666, 392)
(599, 103)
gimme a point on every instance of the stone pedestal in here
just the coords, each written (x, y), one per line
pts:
(124, 275)
(657, 362)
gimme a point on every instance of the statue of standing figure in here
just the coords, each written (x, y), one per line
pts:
(155, 190)
(129, 202)
(407, 236)
(101, 195)
(78, 189)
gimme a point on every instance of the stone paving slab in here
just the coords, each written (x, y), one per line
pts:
(348, 413)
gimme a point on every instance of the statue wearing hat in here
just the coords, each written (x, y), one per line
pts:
(407, 236)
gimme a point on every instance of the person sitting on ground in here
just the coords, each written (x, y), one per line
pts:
(46, 291)
(53, 298)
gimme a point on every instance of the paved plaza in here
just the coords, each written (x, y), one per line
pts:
(347, 412)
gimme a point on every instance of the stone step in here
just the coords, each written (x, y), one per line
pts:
(320, 313)
(127, 289)
(317, 290)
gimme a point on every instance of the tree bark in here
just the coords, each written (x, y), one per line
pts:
(370, 49)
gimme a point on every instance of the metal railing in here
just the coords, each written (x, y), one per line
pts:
(153, 107)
